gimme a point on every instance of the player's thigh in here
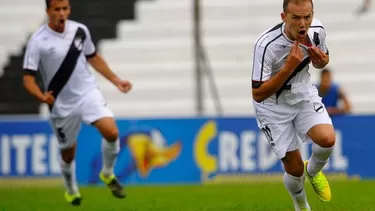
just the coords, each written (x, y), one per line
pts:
(95, 112)
(103, 119)
(66, 130)
(282, 138)
(313, 122)
(107, 127)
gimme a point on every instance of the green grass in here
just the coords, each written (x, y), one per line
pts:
(358, 196)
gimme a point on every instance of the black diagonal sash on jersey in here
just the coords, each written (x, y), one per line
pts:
(67, 67)
(300, 67)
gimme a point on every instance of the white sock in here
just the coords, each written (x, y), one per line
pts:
(318, 159)
(295, 187)
(69, 174)
(110, 151)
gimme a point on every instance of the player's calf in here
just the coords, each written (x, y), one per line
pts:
(324, 139)
(110, 149)
(111, 145)
(294, 179)
(67, 165)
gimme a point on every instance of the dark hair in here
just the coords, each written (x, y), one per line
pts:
(48, 3)
(287, 2)
(324, 71)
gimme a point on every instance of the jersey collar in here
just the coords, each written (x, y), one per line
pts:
(57, 33)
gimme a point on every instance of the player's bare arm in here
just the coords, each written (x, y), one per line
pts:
(33, 88)
(102, 67)
(272, 85)
(346, 107)
(319, 58)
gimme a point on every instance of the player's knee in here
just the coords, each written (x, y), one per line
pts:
(67, 157)
(330, 142)
(327, 140)
(294, 167)
(111, 135)
(296, 170)
(68, 154)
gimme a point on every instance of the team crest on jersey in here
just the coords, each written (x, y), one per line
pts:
(78, 42)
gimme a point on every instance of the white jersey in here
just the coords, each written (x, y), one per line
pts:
(61, 60)
(270, 53)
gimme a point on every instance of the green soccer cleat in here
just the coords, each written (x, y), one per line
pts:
(113, 184)
(73, 199)
(320, 185)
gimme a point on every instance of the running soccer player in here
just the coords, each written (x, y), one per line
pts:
(288, 108)
(60, 50)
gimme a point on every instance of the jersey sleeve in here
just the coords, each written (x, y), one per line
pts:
(323, 45)
(262, 65)
(32, 57)
(89, 47)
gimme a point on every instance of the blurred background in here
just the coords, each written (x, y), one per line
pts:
(190, 62)
(152, 43)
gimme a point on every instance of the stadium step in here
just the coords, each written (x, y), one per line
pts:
(23, 17)
(163, 35)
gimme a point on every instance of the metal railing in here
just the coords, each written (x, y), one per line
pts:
(203, 66)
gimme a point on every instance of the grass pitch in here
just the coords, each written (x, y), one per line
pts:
(347, 195)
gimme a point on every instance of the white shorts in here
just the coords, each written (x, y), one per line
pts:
(286, 126)
(92, 108)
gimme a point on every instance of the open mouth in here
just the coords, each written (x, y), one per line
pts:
(302, 32)
(61, 21)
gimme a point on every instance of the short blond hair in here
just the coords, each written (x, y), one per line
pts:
(287, 2)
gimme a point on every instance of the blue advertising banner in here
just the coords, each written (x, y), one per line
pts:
(178, 150)
(28, 148)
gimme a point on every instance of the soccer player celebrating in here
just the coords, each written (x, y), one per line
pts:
(288, 108)
(60, 50)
